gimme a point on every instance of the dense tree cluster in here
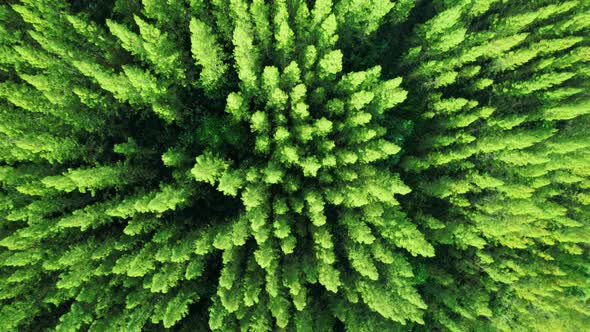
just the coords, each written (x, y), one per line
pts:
(250, 165)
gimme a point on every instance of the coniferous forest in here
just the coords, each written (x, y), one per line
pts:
(295, 165)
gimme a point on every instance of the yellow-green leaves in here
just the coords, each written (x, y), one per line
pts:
(363, 17)
(566, 112)
(245, 52)
(362, 262)
(208, 54)
(129, 40)
(330, 64)
(284, 36)
(236, 105)
(329, 277)
(90, 179)
(259, 122)
(209, 168)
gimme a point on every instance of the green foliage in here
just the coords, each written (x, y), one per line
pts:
(208, 54)
(357, 165)
(503, 206)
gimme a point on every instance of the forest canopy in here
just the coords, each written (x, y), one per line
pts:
(291, 165)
